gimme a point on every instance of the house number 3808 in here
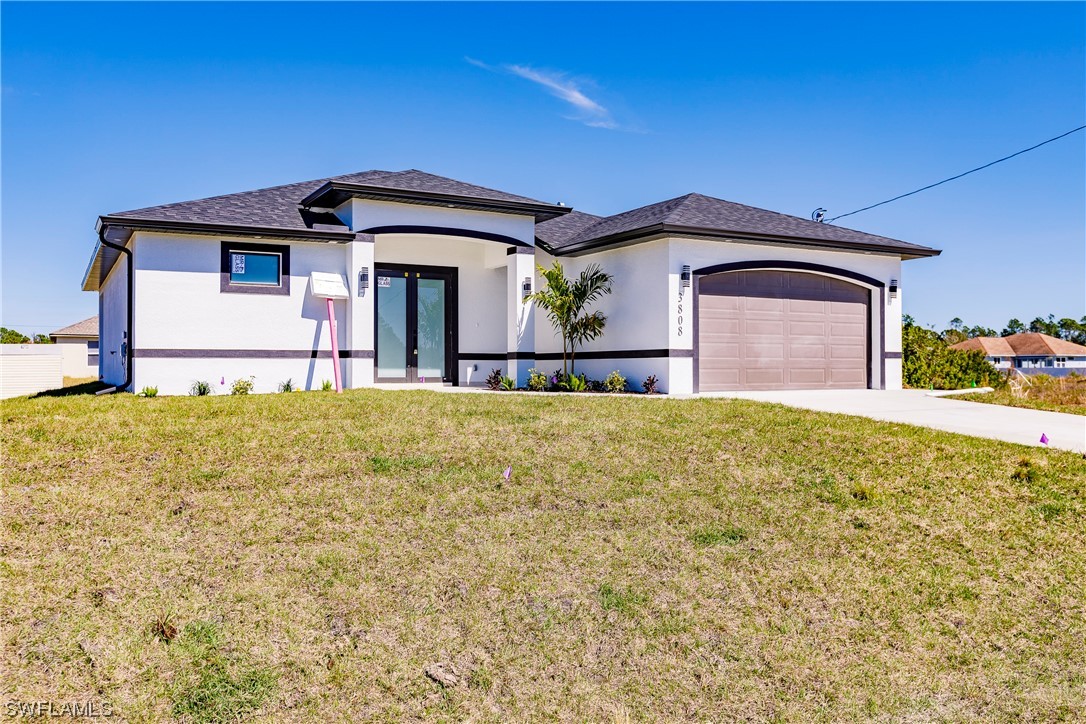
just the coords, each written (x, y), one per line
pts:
(680, 310)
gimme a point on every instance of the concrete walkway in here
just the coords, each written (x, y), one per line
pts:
(916, 407)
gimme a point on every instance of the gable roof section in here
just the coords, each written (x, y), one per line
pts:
(87, 328)
(704, 216)
(1035, 343)
(556, 232)
(990, 346)
(1025, 344)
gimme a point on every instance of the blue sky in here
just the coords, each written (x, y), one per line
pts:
(606, 107)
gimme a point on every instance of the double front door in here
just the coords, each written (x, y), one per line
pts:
(415, 323)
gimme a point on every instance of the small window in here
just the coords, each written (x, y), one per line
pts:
(255, 268)
(252, 267)
(92, 360)
(92, 344)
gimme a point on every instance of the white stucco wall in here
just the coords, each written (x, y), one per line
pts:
(179, 306)
(365, 214)
(74, 354)
(112, 322)
(637, 313)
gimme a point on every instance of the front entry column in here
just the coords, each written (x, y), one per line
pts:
(361, 280)
(520, 269)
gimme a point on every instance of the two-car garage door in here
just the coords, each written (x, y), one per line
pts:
(769, 330)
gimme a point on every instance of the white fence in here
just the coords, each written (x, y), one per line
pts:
(29, 368)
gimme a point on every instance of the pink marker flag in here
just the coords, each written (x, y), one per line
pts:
(508, 472)
(1044, 439)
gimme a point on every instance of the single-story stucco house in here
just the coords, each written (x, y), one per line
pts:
(708, 294)
(1030, 353)
(79, 347)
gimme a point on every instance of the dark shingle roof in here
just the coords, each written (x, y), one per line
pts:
(557, 231)
(705, 214)
(277, 206)
(574, 232)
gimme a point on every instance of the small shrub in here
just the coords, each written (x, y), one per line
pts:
(577, 383)
(649, 385)
(326, 385)
(508, 383)
(614, 382)
(537, 381)
(287, 385)
(149, 392)
(200, 388)
(242, 385)
(494, 380)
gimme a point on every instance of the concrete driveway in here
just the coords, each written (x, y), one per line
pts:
(915, 407)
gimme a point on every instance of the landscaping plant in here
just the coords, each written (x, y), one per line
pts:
(326, 385)
(494, 380)
(566, 303)
(149, 392)
(614, 382)
(649, 385)
(200, 388)
(287, 385)
(242, 385)
(508, 383)
(537, 381)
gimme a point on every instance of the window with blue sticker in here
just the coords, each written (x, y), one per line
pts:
(249, 267)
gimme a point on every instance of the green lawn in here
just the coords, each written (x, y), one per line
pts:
(313, 557)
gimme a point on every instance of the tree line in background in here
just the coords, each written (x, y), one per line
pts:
(11, 336)
(1066, 328)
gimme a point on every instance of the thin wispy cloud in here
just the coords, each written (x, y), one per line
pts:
(561, 86)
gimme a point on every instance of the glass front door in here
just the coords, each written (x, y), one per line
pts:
(415, 324)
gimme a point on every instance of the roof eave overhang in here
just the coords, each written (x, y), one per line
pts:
(332, 194)
(658, 231)
(119, 229)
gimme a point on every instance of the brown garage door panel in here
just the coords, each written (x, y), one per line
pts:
(781, 330)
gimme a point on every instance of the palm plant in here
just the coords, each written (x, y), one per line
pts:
(566, 303)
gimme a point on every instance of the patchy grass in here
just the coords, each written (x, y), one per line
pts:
(1057, 394)
(311, 557)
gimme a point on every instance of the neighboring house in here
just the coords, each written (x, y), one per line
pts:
(1031, 353)
(708, 294)
(79, 347)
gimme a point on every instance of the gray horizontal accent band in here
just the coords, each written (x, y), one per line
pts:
(891, 355)
(622, 354)
(250, 353)
(520, 250)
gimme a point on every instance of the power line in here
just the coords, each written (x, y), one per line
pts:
(978, 168)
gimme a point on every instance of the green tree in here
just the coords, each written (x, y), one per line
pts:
(10, 336)
(1045, 326)
(1072, 331)
(42, 339)
(927, 361)
(566, 303)
(1013, 327)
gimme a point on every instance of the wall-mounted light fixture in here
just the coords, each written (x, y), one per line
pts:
(363, 280)
(526, 288)
(893, 288)
(686, 275)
